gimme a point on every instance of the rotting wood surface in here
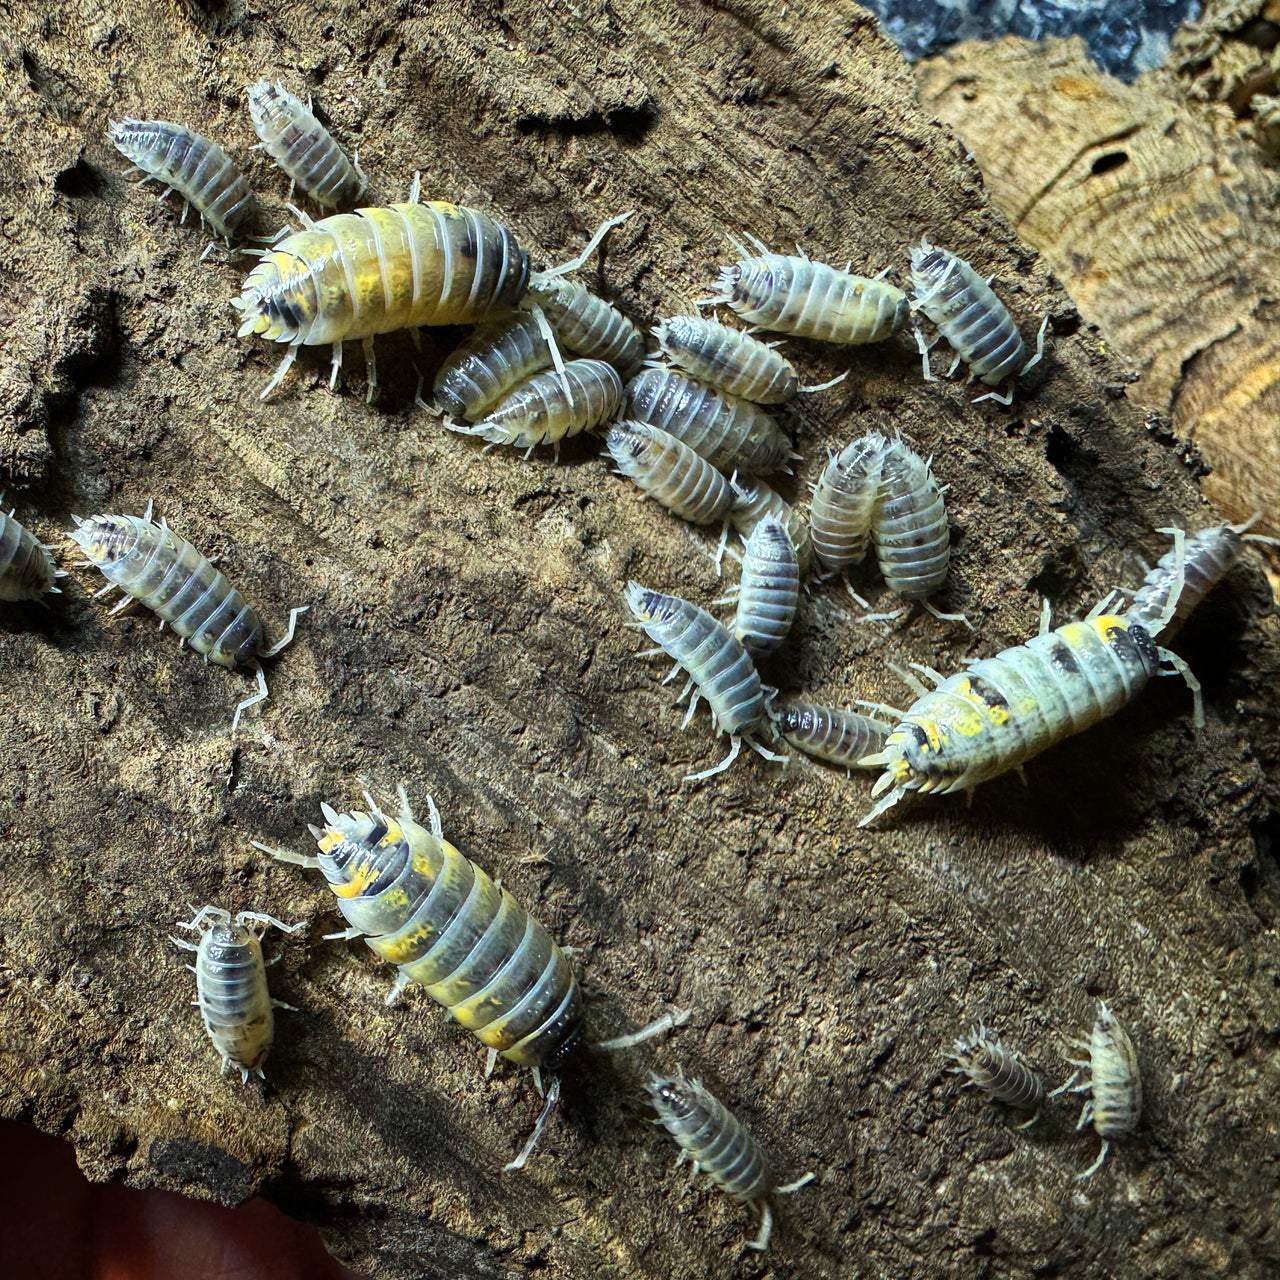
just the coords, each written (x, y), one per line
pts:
(466, 637)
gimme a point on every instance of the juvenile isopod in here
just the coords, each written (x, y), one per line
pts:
(730, 360)
(231, 985)
(809, 299)
(27, 570)
(844, 502)
(670, 472)
(1115, 1083)
(493, 359)
(997, 1071)
(718, 666)
(753, 500)
(971, 318)
(1002, 711)
(153, 565)
(768, 594)
(448, 927)
(303, 147)
(731, 433)
(190, 164)
(719, 1145)
(550, 407)
(589, 325)
(830, 733)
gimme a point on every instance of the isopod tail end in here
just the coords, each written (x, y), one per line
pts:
(887, 803)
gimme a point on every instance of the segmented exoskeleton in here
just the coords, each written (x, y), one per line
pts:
(830, 733)
(446, 925)
(997, 1071)
(303, 147)
(808, 299)
(231, 985)
(493, 359)
(27, 570)
(589, 325)
(844, 502)
(909, 527)
(719, 1145)
(718, 667)
(153, 565)
(728, 359)
(768, 593)
(1002, 711)
(550, 407)
(1115, 1083)
(670, 472)
(753, 500)
(731, 433)
(190, 164)
(971, 318)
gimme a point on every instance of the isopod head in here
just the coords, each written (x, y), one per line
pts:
(650, 606)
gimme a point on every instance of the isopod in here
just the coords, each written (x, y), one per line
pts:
(720, 1145)
(1002, 711)
(844, 502)
(303, 147)
(997, 1071)
(153, 565)
(27, 570)
(589, 325)
(1115, 1083)
(446, 925)
(971, 318)
(768, 593)
(753, 500)
(670, 472)
(549, 407)
(231, 985)
(494, 358)
(193, 166)
(731, 433)
(809, 299)
(718, 666)
(830, 733)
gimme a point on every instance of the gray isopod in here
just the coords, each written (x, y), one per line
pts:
(830, 733)
(727, 359)
(494, 358)
(753, 500)
(193, 166)
(731, 433)
(153, 565)
(844, 502)
(768, 593)
(670, 472)
(1115, 1083)
(303, 147)
(718, 666)
(809, 299)
(231, 985)
(720, 1145)
(589, 325)
(997, 1071)
(27, 570)
(971, 318)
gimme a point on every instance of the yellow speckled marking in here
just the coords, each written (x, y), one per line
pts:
(997, 715)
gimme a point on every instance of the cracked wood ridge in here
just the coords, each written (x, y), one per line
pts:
(466, 637)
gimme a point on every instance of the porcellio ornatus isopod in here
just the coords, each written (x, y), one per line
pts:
(27, 570)
(844, 502)
(425, 907)
(193, 166)
(303, 147)
(753, 500)
(231, 985)
(670, 472)
(809, 299)
(1115, 1083)
(997, 1071)
(830, 733)
(971, 318)
(478, 374)
(153, 565)
(768, 593)
(720, 1145)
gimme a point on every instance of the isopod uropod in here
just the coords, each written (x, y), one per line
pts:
(971, 318)
(193, 166)
(670, 472)
(830, 733)
(809, 299)
(27, 570)
(153, 565)
(231, 984)
(1115, 1083)
(844, 502)
(446, 925)
(303, 147)
(549, 407)
(720, 1145)
(718, 666)
(768, 593)
(997, 1071)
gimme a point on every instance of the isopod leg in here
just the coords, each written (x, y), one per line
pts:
(1007, 398)
(336, 366)
(761, 750)
(1096, 1165)
(553, 1099)
(736, 740)
(688, 715)
(1181, 668)
(946, 617)
(397, 987)
(887, 803)
(372, 365)
(924, 354)
(575, 263)
(260, 696)
(761, 1242)
(676, 1018)
(288, 635)
(281, 369)
(1039, 355)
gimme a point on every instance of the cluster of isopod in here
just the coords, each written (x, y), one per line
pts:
(693, 427)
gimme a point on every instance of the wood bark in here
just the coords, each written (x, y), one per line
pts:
(466, 637)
